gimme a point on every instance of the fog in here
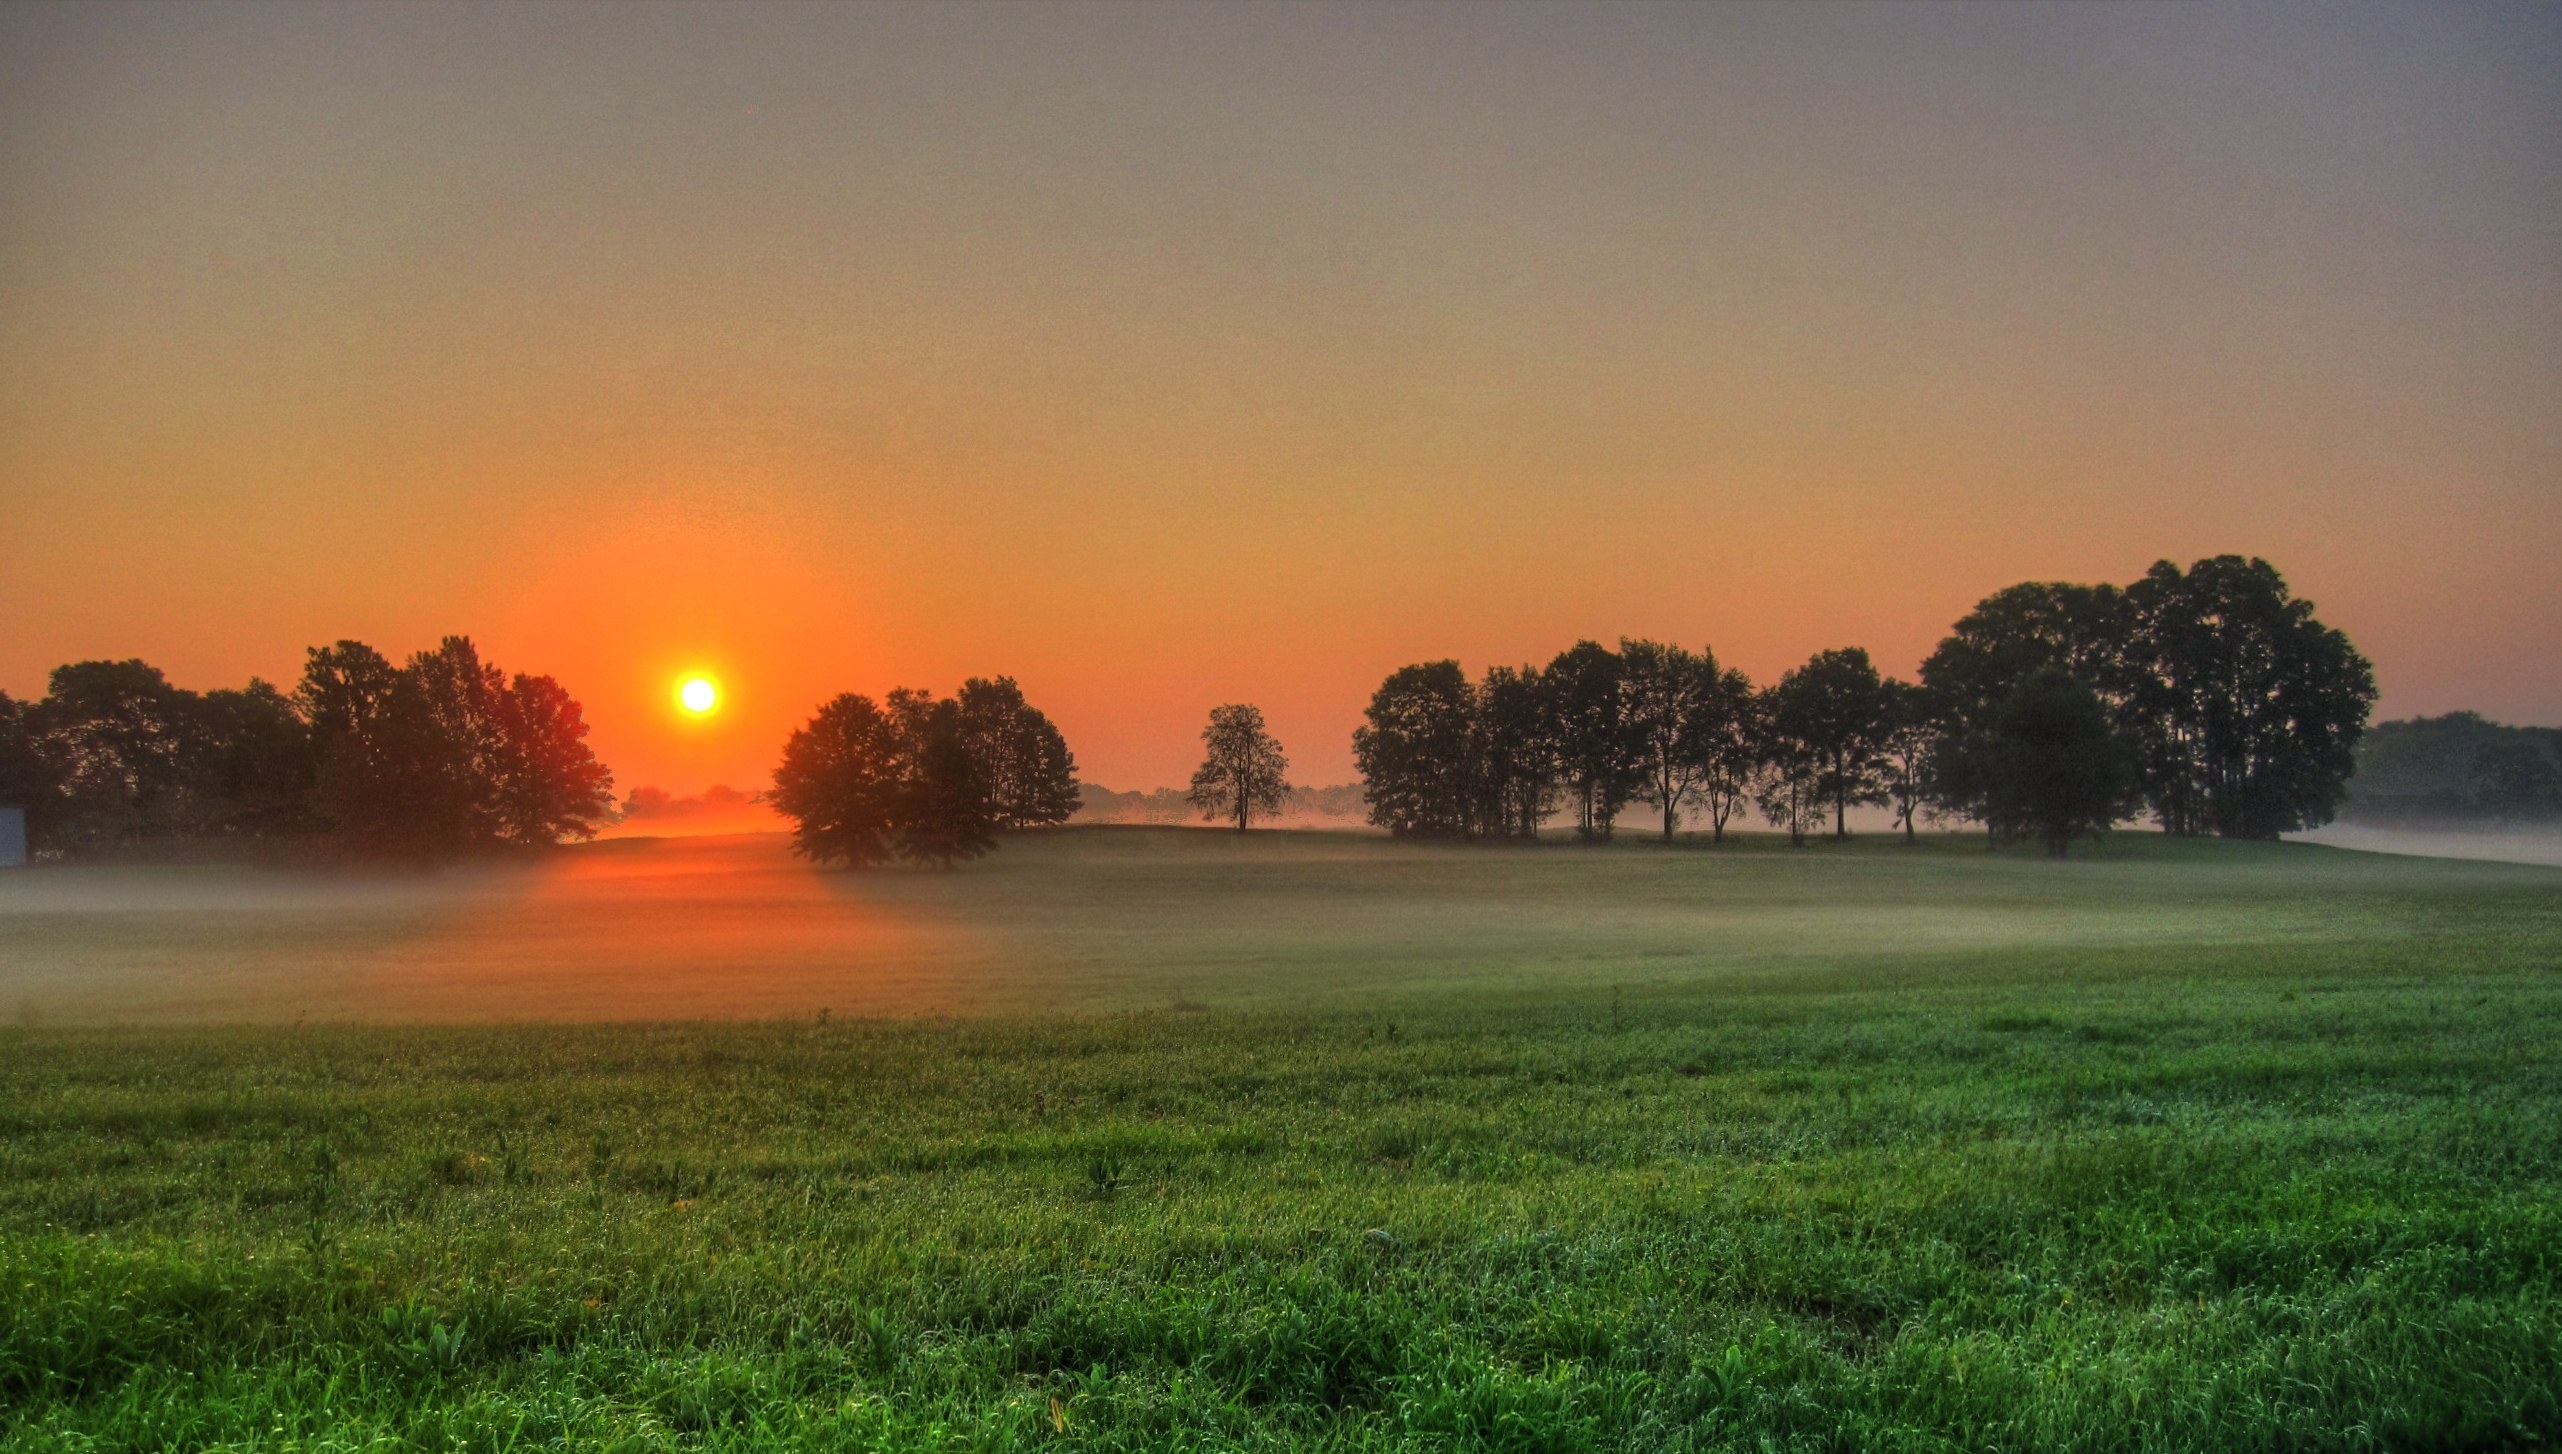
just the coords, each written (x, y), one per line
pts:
(1125, 918)
(2514, 845)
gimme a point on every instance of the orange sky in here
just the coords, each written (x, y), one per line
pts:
(1167, 357)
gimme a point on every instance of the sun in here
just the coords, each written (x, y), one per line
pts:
(699, 695)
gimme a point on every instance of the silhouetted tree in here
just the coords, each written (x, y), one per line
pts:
(1835, 707)
(2009, 636)
(840, 782)
(27, 779)
(944, 812)
(549, 784)
(2515, 779)
(1420, 753)
(2430, 768)
(2058, 768)
(1596, 747)
(1788, 769)
(1030, 773)
(344, 694)
(252, 763)
(1911, 729)
(1730, 747)
(1665, 691)
(1517, 740)
(2248, 708)
(430, 788)
(116, 740)
(1243, 771)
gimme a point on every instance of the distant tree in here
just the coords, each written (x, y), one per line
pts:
(2009, 636)
(2431, 769)
(944, 812)
(2248, 709)
(1667, 693)
(2515, 779)
(1911, 730)
(1788, 768)
(1730, 747)
(436, 789)
(549, 784)
(2059, 768)
(344, 693)
(117, 741)
(1030, 773)
(1421, 753)
(1835, 709)
(27, 779)
(253, 763)
(1243, 772)
(344, 690)
(910, 708)
(1516, 737)
(1596, 747)
(840, 782)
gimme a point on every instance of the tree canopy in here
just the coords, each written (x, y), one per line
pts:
(443, 756)
(922, 778)
(2057, 768)
(1243, 773)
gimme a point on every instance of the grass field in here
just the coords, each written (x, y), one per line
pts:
(1136, 1139)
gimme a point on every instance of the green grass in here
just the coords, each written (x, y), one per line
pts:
(1315, 1143)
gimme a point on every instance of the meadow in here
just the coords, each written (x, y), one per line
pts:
(1160, 1139)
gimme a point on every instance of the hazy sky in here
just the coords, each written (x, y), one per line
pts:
(1177, 355)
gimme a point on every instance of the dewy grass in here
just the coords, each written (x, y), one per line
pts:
(2277, 1167)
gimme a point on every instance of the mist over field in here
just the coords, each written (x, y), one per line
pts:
(2493, 844)
(1117, 918)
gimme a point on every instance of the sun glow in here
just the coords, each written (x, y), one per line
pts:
(698, 695)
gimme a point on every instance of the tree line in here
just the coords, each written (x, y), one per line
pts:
(923, 778)
(443, 755)
(2458, 769)
(2210, 697)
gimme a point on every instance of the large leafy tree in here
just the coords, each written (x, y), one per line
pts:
(2058, 767)
(840, 782)
(1421, 755)
(1788, 770)
(945, 814)
(1835, 709)
(1666, 693)
(1243, 771)
(1597, 750)
(549, 784)
(2006, 638)
(253, 762)
(2248, 709)
(448, 753)
(1730, 745)
(1030, 774)
(1904, 749)
(118, 742)
(27, 778)
(1516, 738)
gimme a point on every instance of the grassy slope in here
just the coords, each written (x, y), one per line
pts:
(2184, 1146)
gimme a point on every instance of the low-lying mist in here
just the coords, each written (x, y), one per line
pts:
(1119, 918)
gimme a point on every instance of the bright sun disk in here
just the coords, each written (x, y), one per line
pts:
(698, 695)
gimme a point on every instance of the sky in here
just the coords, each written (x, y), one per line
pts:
(1168, 356)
